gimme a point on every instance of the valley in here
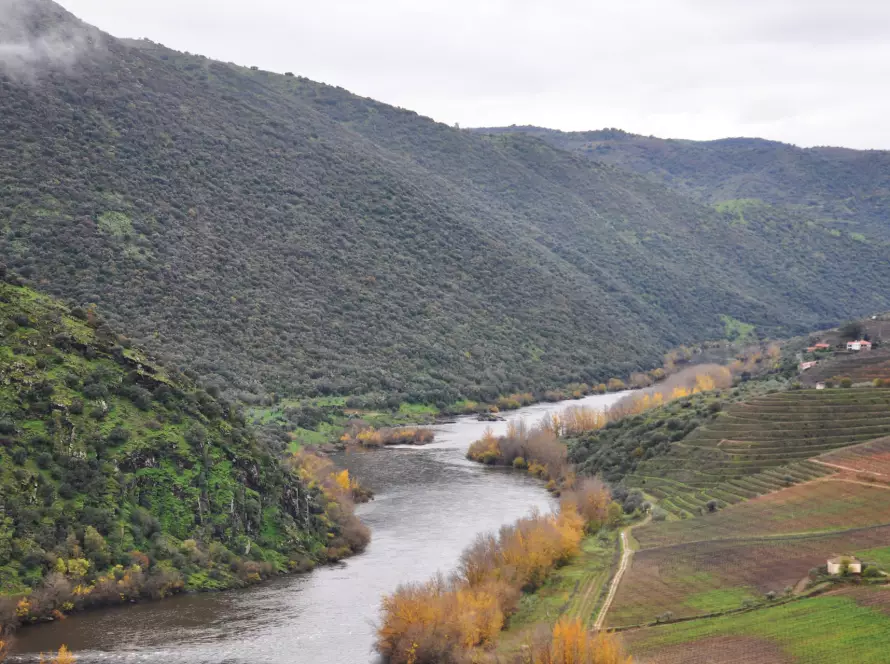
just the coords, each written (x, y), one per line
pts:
(430, 503)
(291, 374)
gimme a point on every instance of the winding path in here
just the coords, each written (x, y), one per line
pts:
(626, 555)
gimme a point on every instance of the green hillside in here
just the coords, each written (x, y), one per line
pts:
(275, 234)
(847, 190)
(124, 479)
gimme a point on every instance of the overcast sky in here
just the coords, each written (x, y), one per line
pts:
(811, 72)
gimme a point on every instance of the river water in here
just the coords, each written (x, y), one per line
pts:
(431, 503)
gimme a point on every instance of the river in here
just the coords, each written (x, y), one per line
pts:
(431, 503)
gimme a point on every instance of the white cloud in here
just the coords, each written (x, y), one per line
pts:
(802, 71)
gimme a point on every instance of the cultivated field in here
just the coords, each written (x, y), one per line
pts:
(872, 458)
(818, 506)
(704, 577)
(762, 445)
(847, 627)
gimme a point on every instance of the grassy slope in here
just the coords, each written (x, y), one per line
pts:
(98, 436)
(822, 630)
(716, 561)
(862, 367)
(327, 243)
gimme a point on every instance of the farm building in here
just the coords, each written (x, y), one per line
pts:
(807, 365)
(819, 347)
(820, 386)
(859, 344)
(837, 565)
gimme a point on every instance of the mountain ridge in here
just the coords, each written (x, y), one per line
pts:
(278, 235)
(838, 184)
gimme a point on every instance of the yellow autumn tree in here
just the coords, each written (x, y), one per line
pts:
(443, 620)
(342, 480)
(571, 643)
(486, 449)
(64, 656)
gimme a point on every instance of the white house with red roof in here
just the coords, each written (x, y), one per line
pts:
(860, 344)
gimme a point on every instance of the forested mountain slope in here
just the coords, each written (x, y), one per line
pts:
(108, 459)
(848, 190)
(272, 233)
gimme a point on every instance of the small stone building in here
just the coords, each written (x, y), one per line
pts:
(836, 565)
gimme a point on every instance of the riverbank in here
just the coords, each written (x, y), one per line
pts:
(321, 422)
(430, 504)
(459, 617)
(75, 585)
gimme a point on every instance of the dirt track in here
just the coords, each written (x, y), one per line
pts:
(626, 555)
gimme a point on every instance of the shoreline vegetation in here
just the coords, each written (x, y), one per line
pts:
(361, 434)
(540, 451)
(74, 586)
(329, 423)
(458, 619)
(63, 656)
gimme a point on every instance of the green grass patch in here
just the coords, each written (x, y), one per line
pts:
(417, 409)
(307, 437)
(812, 631)
(115, 223)
(880, 556)
(720, 599)
(736, 330)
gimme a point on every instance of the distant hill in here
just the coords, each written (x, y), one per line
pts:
(270, 233)
(124, 479)
(848, 190)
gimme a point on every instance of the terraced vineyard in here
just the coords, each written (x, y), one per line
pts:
(813, 507)
(862, 367)
(762, 445)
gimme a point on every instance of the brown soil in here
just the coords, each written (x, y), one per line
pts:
(716, 650)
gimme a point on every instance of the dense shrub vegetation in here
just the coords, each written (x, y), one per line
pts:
(120, 479)
(618, 437)
(843, 192)
(274, 234)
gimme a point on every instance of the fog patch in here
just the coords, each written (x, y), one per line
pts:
(38, 36)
